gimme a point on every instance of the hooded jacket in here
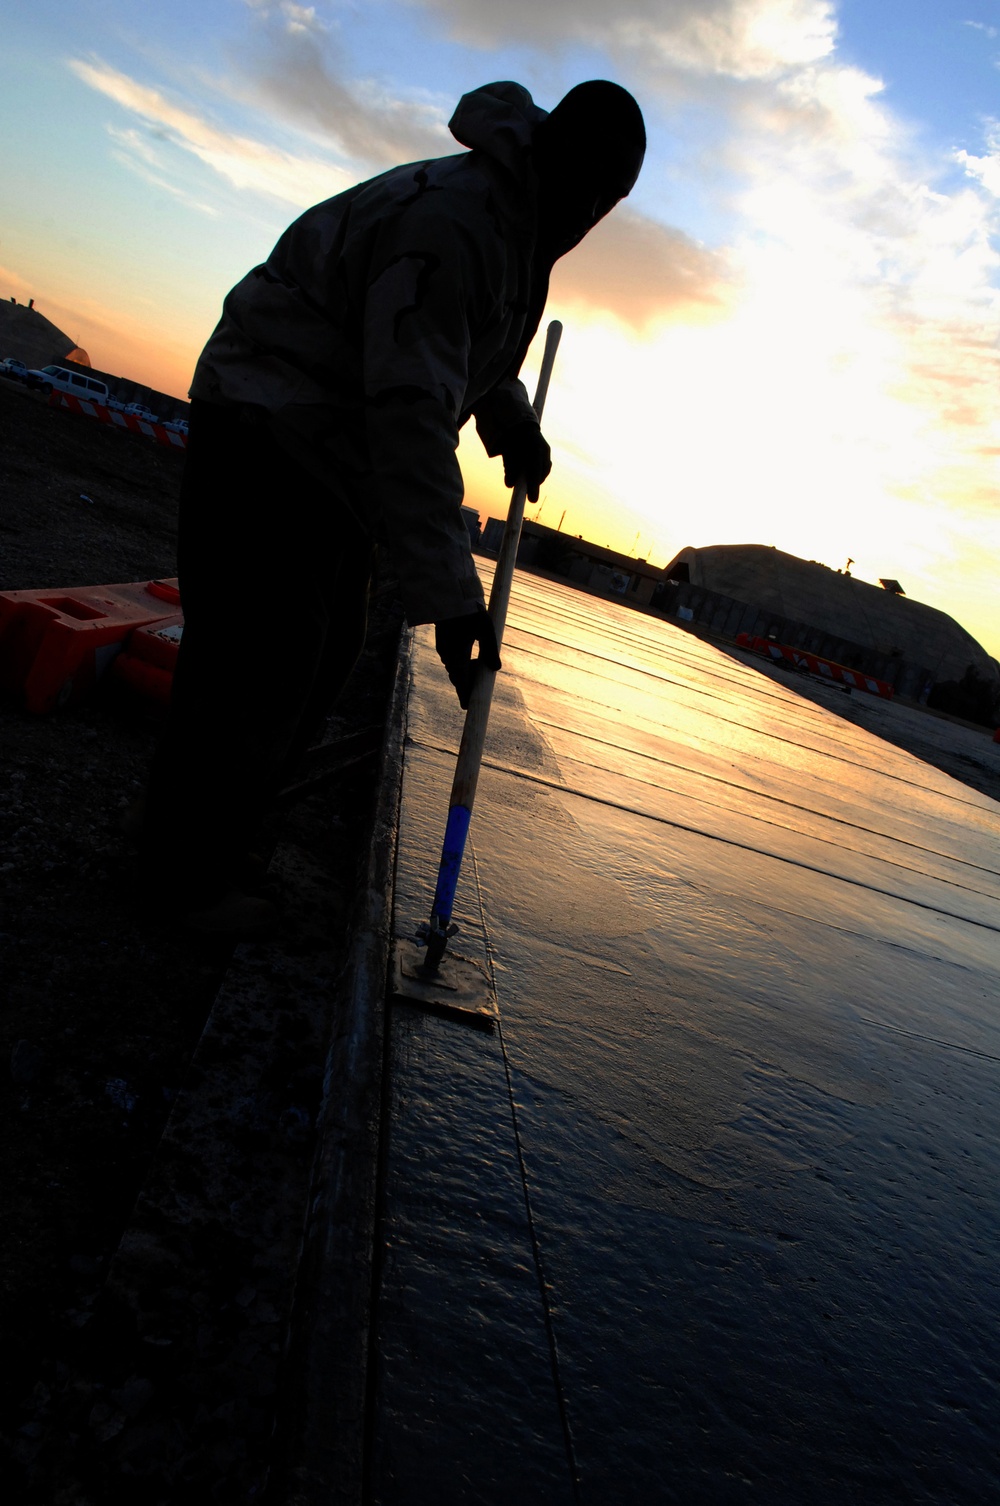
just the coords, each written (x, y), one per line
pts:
(381, 321)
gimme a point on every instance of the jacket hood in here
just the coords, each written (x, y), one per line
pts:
(498, 119)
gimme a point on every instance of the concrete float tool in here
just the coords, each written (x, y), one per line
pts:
(422, 974)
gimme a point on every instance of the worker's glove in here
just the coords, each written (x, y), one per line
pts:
(453, 639)
(526, 456)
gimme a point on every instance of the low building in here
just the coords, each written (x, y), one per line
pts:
(592, 567)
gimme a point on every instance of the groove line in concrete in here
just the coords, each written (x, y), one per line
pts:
(631, 810)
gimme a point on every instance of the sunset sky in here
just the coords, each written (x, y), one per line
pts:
(789, 336)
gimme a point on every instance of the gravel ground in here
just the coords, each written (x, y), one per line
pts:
(103, 1003)
(99, 1014)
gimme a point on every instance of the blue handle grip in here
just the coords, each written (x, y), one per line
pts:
(452, 850)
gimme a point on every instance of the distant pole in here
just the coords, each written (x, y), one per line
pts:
(470, 754)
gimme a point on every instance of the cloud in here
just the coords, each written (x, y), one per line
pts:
(838, 194)
(244, 162)
(137, 152)
(642, 272)
(985, 169)
(741, 39)
(866, 256)
(843, 396)
(296, 67)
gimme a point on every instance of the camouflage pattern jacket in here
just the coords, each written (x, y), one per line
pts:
(381, 321)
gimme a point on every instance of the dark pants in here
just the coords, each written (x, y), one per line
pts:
(274, 578)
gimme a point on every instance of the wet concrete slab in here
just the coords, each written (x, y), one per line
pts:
(712, 1216)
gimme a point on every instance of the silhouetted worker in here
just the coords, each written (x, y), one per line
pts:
(325, 416)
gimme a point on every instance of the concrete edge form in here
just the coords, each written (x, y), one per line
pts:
(321, 1435)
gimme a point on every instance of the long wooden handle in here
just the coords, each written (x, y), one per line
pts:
(470, 753)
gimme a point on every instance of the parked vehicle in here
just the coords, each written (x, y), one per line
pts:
(177, 426)
(58, 379)
(14, 368)
(139, 410)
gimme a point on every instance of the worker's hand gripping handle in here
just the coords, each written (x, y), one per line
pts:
(500, 594)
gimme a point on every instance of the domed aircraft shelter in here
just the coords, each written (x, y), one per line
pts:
(30, 337)
(878, 629)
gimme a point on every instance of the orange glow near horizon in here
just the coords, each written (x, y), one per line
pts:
(131, 348)
(585, 499)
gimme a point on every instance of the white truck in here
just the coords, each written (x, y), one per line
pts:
(59, 379)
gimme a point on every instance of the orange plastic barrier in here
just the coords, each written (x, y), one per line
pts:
(112, 416)
(827, 668)
(55, 645)
(147, 663)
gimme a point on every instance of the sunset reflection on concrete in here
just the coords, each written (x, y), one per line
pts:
(713, 1217)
